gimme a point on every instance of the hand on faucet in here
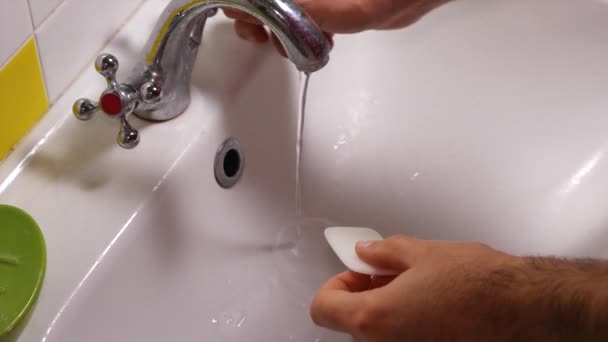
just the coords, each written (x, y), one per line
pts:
(346, 16)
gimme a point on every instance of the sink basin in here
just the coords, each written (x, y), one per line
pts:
(482, 122)
(199, 262)
(485, 121)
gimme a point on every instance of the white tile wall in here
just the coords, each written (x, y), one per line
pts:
(73, 34)
(15, 27)
(69, 33)
(41, 9)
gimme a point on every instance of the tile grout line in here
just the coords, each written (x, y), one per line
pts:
(19, 48)
(29, 11)
(10, 58)
(46, 91)
(100, 50)
(39, 59)
(48, 15)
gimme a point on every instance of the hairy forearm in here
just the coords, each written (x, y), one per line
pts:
(566, 300)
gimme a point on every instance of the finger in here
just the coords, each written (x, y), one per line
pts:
(396, 253)
(380, 281)
(338, 300)
(348, 281)
(251, 32)
(414, 13)
(339, 16)
(400, 22)
(240, 15)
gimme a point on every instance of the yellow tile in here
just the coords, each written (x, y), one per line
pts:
(22, 96)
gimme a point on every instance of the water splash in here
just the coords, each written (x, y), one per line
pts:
(307, 261)
(230, 320)
(414, 176)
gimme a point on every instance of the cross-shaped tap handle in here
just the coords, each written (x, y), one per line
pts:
(117, 100)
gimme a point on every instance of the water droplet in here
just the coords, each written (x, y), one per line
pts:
(342, 140)
(243, 319)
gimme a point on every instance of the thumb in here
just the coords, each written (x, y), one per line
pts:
(397, 253)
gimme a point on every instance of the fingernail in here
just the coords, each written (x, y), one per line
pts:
(365, 244)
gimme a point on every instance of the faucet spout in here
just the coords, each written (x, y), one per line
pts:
(173, 45)
(305, 44)
(158, 89)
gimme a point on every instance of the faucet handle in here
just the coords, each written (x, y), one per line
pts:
(117, 101)
(107, 66)
(150, 92)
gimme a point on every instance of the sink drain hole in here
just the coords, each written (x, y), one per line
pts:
(232, 163)
(228, 163)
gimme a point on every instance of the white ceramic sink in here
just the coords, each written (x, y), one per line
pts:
(485, 121)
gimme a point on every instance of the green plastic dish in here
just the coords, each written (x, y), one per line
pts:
(22, 267)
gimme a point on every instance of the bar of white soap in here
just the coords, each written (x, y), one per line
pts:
(343, 240)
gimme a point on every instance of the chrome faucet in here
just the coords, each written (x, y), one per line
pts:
(159, 88)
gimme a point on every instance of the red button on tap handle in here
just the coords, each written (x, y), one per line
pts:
(111, 103)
